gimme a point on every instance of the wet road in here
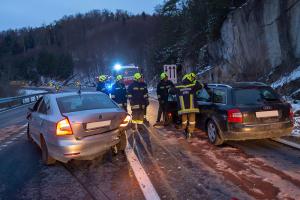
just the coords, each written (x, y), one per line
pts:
(177, 169)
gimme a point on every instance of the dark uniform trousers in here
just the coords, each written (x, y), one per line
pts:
(187, 104)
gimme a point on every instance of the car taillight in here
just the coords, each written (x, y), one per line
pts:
(125, 121)
(63, 127)
(234, 116)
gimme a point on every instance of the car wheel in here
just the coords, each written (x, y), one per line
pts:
(29, 138)
(213, 133)
(47, 159)
(123, 141)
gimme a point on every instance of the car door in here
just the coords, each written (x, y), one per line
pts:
(33, 117)
(39, 119)
(219, 103)
(204, 101)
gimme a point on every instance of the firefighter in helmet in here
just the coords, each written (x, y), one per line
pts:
(186, 97)
(101, 86)
(138, 98)
(162, 90)
(119, 93)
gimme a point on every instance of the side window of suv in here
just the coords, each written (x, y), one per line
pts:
(204, 95)
(219, 96)
(36, 105)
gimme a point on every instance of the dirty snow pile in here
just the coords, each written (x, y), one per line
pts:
(294, 75)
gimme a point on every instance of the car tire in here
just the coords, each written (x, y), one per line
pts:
(29, 138)
(46, 158)
(123, 141)
(213, 133)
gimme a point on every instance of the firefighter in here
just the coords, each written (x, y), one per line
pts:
(162, 90)
(138, 97)
(146, 100)
(186, 93)
(101, 86)
(119, 93)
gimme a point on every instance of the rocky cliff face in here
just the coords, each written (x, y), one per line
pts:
(260, 41)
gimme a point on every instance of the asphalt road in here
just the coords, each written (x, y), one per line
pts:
(177, 169)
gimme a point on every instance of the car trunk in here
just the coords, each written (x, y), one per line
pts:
(92, 122)
(265, 114)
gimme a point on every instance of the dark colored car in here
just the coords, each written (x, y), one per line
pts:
(243, 111)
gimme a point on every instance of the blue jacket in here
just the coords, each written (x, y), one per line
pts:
(119, 93)
(101, 87)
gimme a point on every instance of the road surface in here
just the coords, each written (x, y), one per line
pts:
(176, 168)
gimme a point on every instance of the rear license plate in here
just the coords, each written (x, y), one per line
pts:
(265, 114)
(94, 125)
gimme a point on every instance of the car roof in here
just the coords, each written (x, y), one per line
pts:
(66, 94)
(239, 84)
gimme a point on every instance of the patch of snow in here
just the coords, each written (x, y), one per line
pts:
(30, 92)
(206, 69)
(294, 75)
(22, 92)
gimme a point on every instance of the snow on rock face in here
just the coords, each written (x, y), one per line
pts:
(257, 38)
(287, 79)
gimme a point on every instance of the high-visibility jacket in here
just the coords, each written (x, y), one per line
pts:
(186, 96)
(162, 90)
(119, 93)
(101, 87)
(138, 95)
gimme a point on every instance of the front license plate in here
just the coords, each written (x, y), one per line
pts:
(265, 114)
(94, 125)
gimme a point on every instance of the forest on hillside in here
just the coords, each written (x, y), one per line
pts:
(91, 43)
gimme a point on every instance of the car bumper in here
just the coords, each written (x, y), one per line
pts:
(86, 148)
(248, 133)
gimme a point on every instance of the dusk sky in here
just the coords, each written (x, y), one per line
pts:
(33, 13)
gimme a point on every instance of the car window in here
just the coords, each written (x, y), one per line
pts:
(204, 95)
(219, 96)
(36, 105)
(255, 95)
(42, 107)
(82, 102)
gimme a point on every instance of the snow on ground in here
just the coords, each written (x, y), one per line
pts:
(22, 92)
(288, 78)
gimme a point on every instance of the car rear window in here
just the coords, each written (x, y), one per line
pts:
(83, 102)
(253, 96)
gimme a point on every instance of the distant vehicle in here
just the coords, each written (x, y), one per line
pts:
(243, 111)
(127, 72)
(76, 126)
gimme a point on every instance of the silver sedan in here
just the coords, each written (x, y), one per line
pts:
(76, 126)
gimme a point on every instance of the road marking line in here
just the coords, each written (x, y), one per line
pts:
(287, 142)
(140, 174)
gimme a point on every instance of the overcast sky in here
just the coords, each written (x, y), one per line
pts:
(24, 13)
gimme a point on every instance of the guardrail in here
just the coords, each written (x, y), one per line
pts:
(11, 102)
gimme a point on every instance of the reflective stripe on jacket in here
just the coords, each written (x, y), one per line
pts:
(119, 93)
(162, 90)
(186, 97)
(138, 95)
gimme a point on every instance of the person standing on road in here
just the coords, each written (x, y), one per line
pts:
(186, 93)
(101, 86)
(119, 93)
(146, 99)
(138, 98)
(162, 91)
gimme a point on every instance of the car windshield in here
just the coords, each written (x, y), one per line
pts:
(82, 102)
(253, 96)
